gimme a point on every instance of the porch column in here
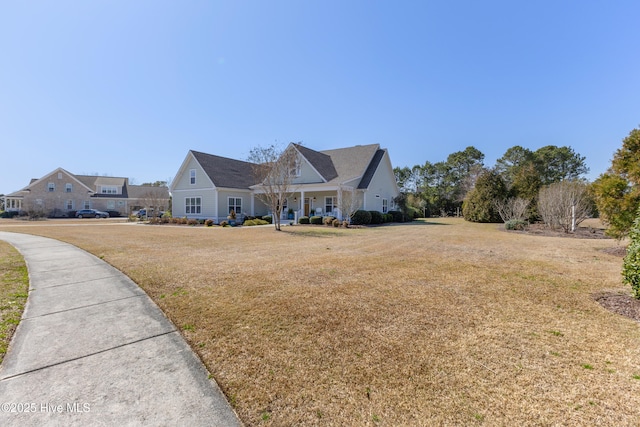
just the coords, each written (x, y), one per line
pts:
(302, 203)
(339, 203)
(253, 209)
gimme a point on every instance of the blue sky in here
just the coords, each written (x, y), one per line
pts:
(126, 88)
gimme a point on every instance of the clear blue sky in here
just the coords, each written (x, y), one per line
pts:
(126, 88)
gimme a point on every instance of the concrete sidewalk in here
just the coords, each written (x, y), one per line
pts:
(93, 349)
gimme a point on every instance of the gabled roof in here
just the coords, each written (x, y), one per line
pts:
(321, 162)
(352, 162)
(373, 166)
(225, 172)
(146, 191)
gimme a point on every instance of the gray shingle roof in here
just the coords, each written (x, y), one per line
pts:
(373, 166)
(225, 172)
(320, 161)
(352, 162)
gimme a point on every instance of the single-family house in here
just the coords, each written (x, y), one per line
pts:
(210, 186)
(61, 193)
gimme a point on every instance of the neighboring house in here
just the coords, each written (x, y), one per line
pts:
(209, 186)
(61, 193)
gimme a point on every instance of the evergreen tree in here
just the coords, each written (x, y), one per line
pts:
(480, 203)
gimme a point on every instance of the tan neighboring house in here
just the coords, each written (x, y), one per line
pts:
(209, 186)
(61, 193)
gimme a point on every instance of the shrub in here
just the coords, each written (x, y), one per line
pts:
(316, 220)
(376, 217)
(515, 224)
(8, 214)
(479, 203)
(328, 220)
(303, 220)
(631, 263)
(268, 218)
(335, 222)
(345, 223)
(256, 221)
(224, 224)
(387, 217)
(361, 217)
(209, 223)
(396, 216)
(192, 221)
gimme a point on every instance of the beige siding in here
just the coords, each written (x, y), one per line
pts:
(43, 200)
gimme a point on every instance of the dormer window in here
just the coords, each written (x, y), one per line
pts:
(109, 189)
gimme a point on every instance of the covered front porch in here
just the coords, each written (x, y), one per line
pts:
(315, 202)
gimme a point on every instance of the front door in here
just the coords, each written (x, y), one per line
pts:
(307, 206)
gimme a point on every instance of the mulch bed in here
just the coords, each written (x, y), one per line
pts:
(622, 304)
(616, 302)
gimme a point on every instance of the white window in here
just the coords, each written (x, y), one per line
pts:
(235, 204)
(69, 205)
(51, 187)
(295, 171)
(192, 176)
(111, 205)
(87, 204)
(68, 187)
(193, 205)
(109, 189)
(329, 204)
(385, 205)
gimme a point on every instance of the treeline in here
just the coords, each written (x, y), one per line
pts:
(441, 189)
(545, 185)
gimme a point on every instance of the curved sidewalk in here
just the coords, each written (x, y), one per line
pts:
(93, 349)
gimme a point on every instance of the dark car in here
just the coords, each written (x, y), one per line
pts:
(142, 213)
(91, 213)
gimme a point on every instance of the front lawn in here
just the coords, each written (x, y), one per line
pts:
(428, 323)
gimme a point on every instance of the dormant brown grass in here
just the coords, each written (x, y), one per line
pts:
(441, 322)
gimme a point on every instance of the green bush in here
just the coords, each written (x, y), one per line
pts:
(328, 220)
(303, 220)
(631, 263)
(515, 224)
(268, 218)
(387, 218)
(8, 214)
(376, 217)
(397, 216)
(361, 217)
(315, 220)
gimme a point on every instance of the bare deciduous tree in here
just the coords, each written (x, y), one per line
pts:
(514, 208)
(564, 204)
(350, 200)
(274, 171)
(154, 201)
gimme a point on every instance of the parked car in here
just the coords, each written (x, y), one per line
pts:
(91, 213)
(143, 213)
